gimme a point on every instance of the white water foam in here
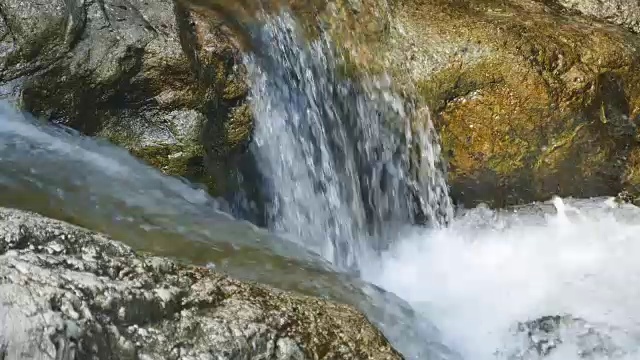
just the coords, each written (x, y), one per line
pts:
(489, 271)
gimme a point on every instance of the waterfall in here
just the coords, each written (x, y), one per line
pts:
(347, 164)
(58, 172)
(352, 172)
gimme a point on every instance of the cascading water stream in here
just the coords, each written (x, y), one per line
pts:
(339, 156)
(61, 174)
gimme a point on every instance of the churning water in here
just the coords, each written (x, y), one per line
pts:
(489, 271)
(349, 177)
(341, 160)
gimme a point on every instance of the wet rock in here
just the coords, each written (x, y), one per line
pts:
(621, 12)
(144, 74)
(68, 293)
(530, 99)
(549, 336)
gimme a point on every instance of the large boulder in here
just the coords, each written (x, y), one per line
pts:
(68, 293)
(151, 75)
(531, 98)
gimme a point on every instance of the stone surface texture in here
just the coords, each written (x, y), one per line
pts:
(151, 75)
(68, 293)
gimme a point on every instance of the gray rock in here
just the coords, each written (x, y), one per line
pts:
(142, 73)
(620, 12)
(547, 336)
(68, 293)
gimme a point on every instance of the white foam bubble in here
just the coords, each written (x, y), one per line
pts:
(487, 272)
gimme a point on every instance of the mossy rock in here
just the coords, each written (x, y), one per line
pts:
(154, 77)
(530, 99)
(182, 161)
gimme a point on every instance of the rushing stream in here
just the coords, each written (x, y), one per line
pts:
(64, 175)
(357, 197)
(341, 163)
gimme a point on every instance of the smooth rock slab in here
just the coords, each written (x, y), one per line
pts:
(68, 293)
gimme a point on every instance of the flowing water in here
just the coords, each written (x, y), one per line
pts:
(61, 174)
(357, 197)
(488, 271)
(340, 160)
(348, 164)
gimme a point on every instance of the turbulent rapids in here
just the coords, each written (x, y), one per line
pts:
(334, 166)
(358, 211)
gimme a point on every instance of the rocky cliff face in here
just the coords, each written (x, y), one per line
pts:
(67, 293)
(149, 75)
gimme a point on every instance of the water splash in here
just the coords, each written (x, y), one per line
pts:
(347, 163)
(490, 271)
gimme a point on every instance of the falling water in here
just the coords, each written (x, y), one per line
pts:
(347, 163)
(553, 282)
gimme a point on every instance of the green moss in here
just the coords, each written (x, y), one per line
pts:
(121, 136)
(456, 81)
(237, 129)
(177, 160)
(549, 158)
(234, 89)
